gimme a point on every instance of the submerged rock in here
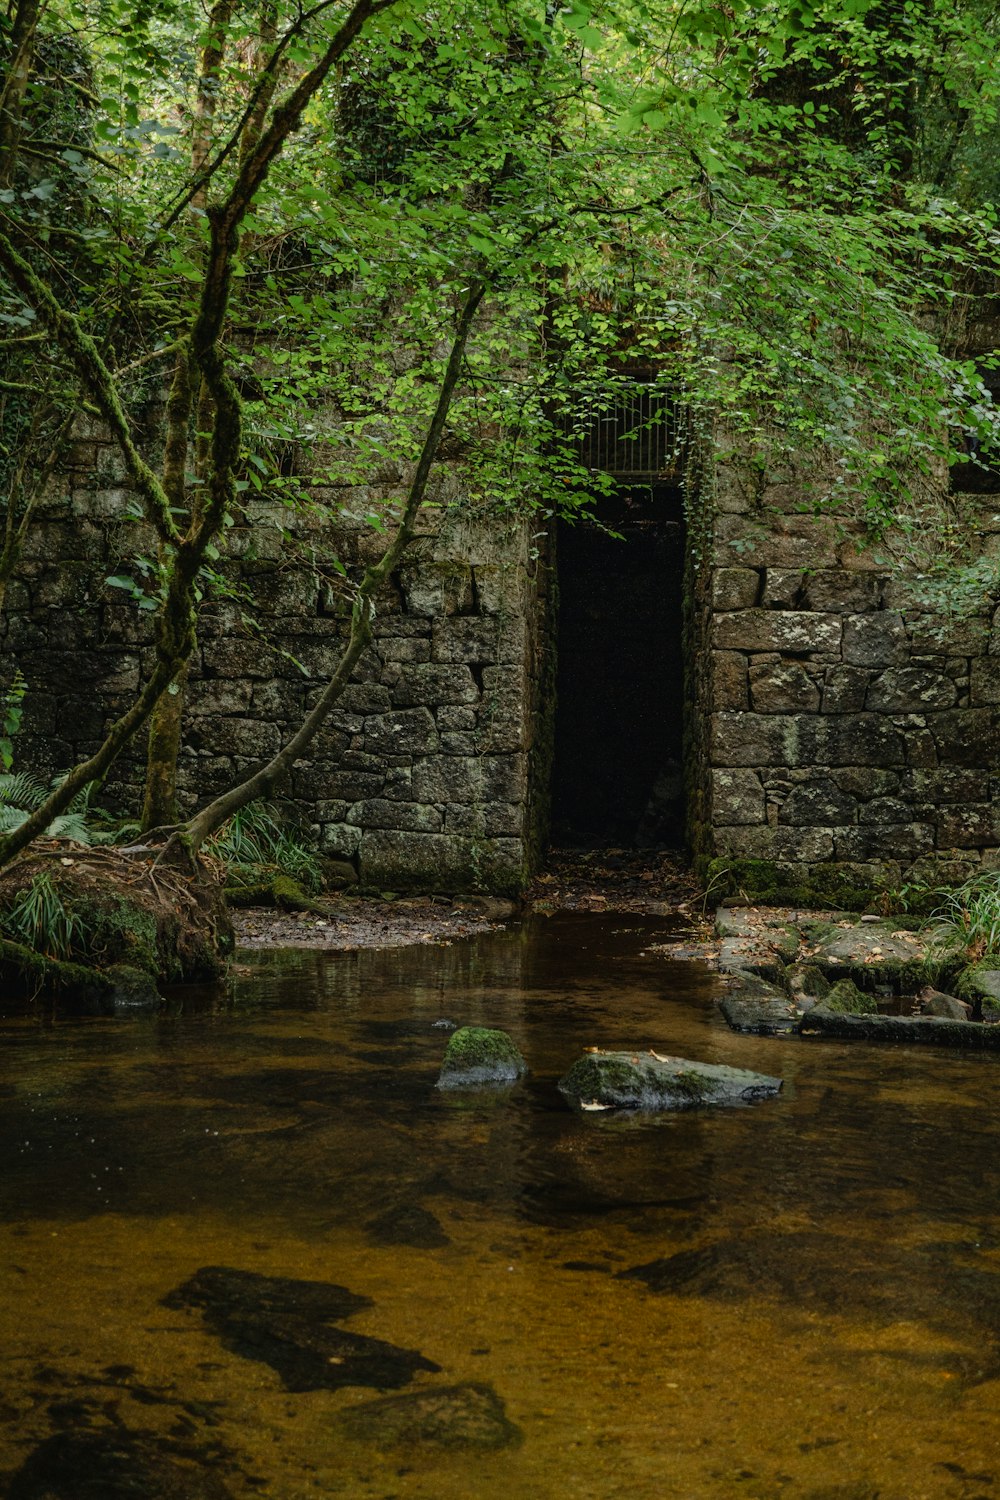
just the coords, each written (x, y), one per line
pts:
(285, 1324)
(407, 1224)
(751, 1004)
(822, 1021)
(477, 1055)
(649, 1080)
(453, 1416)
(111, 1466)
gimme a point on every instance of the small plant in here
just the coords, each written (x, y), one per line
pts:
(256, 836)
(21, 793)
(11, 713)
(38, 918)
(968, 919)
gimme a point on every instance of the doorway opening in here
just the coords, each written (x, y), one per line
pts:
(618, 753)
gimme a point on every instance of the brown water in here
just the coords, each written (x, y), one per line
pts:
(819, 1309)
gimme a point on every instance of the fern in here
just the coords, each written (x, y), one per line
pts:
(21, 794)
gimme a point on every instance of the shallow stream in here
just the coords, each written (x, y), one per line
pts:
(816, 1305)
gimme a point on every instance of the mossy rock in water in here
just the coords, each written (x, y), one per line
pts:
(752, 1004)
(980, 984)
(648, 1080)
(845, 999)
(477, 1056)
(807, 984)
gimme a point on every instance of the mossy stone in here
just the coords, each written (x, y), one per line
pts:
(847, 1000)
(807, 984)
(648, 1080)
(478, 1055)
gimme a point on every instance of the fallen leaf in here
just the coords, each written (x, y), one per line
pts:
(592, 1104)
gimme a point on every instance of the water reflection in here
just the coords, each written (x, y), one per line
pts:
(800, 1298)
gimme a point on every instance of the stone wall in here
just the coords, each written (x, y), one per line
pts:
(850, 722)
(420, 775)
(833, 719)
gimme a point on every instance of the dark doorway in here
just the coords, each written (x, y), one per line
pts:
(617, 774)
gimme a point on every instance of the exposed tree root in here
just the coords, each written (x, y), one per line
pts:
(132, 924)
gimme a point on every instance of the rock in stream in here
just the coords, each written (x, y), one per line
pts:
(286, 1324)
(654, 1081)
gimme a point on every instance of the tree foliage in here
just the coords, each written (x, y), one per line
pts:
(325, 244)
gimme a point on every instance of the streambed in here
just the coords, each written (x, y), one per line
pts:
(801, 1298)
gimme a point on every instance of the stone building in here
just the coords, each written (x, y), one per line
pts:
(732, 668)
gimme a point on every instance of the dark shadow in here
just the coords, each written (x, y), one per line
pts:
(617, 772)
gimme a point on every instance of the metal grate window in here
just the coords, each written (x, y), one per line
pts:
(640, 435)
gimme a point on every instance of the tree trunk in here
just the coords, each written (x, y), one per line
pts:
(159, 809)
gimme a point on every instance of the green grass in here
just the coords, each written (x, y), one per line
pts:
(257, 837)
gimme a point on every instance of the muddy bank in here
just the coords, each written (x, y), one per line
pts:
(613, 880)
(363, 922)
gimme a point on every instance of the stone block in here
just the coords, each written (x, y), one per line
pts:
(841, 589)
(845, 689)
(466, 638)
(947, 784)
(893, 810)
(216, 695)
(455, 718)
(500, 590)
(807, 845)
(735, 588)
(311, 783)
(867, 781)
(966, 736)
(493, 819)
(729, 680)
(818, 804)
(431, 861)
(503, 720)
(361, 699)
(279, 700)
(430, 684)
(975, 826)
(118, 673)
(884, 841)
(340, 838)
(236, 658)
(435, 589)
(404, 648)
(782, 687)
(459, 742)
(799, 541)
(910, 690)
(737, 797)
(875, 640)
(984, 684)
(790, 631)
(229, 735)
(381, 812)
(746, 739)
(330, 811)
(784, 588)
(408, 732)
(933, 635)
(848, 740)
